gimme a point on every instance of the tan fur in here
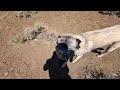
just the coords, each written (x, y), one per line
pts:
(98, 38)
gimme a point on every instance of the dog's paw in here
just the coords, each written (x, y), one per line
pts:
(76, 59)
(101, 55)
(73, 61)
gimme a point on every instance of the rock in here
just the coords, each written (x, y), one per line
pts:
(11, 69)
(5, 74)
(114, 74)
(76, 75)
(118, 51)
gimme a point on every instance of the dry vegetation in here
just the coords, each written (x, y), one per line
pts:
(25, 14)
(30, 34)
(98, 74)
(116, 13)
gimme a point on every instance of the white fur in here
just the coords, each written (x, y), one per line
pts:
(97, 38)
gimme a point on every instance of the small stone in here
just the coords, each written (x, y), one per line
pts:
(115, 74)
(118, 51)
(97, 21)
(7, 27)
(75, 75)
(11, 69)
(6, 73)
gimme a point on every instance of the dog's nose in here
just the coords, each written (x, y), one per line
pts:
(78, 47)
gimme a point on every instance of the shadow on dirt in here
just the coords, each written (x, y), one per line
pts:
(55, 72)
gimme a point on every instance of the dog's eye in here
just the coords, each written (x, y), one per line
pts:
(59, 36)
(78, 47)
(78, 41)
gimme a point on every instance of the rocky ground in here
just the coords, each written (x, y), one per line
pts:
(28, 38)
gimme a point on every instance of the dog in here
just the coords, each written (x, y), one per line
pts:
(88, 41)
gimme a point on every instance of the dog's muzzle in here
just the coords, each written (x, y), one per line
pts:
(64, 53)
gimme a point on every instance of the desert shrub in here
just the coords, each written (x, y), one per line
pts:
(28, 35)
(98, 74)
(117, 13)
(25, 14)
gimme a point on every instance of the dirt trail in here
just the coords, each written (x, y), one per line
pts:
(33, 59)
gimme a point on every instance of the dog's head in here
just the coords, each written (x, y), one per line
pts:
(66, 46)
(71, 42)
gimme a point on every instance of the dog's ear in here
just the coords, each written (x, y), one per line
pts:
(59, 36)
(57, 39)
(78, 41)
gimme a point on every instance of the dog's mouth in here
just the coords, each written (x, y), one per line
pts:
(64, 54)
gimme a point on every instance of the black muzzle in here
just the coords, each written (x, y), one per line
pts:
(64, 54)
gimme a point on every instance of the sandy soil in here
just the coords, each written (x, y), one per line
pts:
(36, 59)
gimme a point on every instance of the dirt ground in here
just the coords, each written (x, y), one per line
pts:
(34, 58)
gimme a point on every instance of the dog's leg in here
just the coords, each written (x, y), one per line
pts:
(110, 48)
(79, 54)
(76, 59)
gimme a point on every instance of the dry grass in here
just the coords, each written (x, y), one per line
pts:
(28, 35)
(36, 32)
(25, 14)
(98, 74)
(117, 13)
